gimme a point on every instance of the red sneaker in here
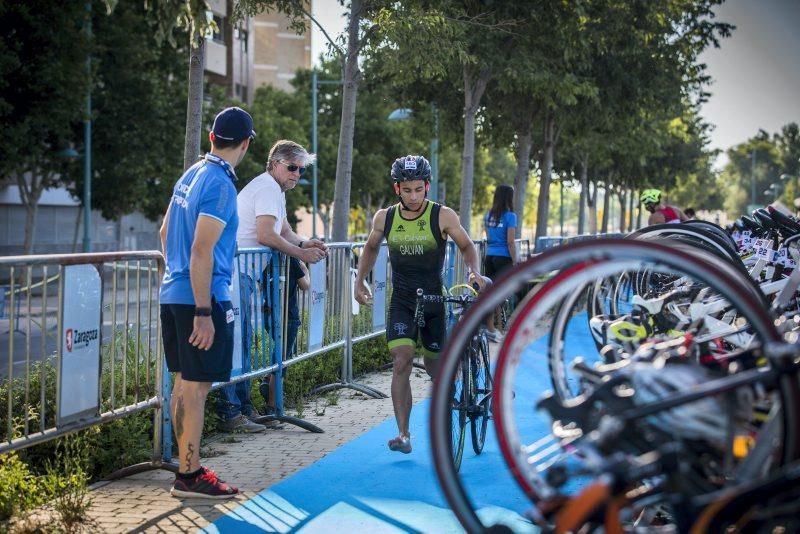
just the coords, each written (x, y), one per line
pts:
(205, 485)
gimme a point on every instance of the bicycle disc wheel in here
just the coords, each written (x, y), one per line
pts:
(482, 390)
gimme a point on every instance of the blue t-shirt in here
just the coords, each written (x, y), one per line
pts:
(206, 189)
(497, 234)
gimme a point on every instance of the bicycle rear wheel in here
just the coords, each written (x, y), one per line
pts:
(481, 404)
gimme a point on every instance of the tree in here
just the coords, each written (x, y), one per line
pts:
(744, 174)
(43, 84)
(453, 40)
(138, 117)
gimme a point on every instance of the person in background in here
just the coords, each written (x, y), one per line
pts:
(262, 208)
(500, 225)
(689, 212)
(660, 213)
(198, 237)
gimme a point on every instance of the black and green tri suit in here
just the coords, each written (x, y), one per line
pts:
(416, 253)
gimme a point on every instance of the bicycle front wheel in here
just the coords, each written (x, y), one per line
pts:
(481, 403)
(458, 413)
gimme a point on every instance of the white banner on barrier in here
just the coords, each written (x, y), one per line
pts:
(316, 327)
(79, 343)
(236, 359)
(379, 291)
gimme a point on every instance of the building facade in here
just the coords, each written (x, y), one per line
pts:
(261, 50)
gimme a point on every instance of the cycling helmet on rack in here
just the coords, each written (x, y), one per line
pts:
(410, 168)
(650, 197)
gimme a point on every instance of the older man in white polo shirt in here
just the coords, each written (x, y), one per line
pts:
(263, 222)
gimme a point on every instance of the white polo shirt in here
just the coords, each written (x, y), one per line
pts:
(262, 196)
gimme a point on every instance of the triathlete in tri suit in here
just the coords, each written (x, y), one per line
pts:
(660, 214)
(416, 230)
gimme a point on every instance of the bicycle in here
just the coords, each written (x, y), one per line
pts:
(535, 460)
(471, 388)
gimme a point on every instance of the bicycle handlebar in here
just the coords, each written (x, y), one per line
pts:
(422, 298)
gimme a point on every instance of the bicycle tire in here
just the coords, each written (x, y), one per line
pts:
(512, 281)
(482, 391)
(698, 236)
(738, 507)
(458, 414)
(692, 262)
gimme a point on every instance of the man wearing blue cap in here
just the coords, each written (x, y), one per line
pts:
(198, 237)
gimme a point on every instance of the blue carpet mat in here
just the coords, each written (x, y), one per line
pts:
(364, 486)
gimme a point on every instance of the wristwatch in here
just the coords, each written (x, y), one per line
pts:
(202, 312)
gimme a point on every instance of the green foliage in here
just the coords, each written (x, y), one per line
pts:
(776, 170)
(67, 479)
(62, 483)
(43, 82)
(138, 115)
(18, 487)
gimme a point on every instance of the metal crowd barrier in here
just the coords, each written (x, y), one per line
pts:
(90, 350)
(361, 322)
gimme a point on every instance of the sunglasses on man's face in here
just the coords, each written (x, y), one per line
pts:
(294, 168)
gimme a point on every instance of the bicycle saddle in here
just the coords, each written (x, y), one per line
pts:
(783, 221)
(762, 216)
(750, 224)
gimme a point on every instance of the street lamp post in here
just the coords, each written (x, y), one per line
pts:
(87, 142)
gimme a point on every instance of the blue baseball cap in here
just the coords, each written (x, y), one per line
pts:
(233, 124)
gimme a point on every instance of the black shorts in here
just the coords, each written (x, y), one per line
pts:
(403, 330)
(195, 365)
(493, 266)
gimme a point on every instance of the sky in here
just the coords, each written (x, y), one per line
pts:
(755, 72)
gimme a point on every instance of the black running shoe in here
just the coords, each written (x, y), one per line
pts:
(205, 485)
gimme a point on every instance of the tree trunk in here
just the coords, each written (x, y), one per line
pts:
(623, 204)
(592, 205)
(543, 209)
(77, 228)
(606, 206)
(474, 86)
(631, 195)
(522, 174)
(194, 105)
(369, 210)
(344, 162)
(30, 195)
(583, 163)
(639, 215)
(325, 217)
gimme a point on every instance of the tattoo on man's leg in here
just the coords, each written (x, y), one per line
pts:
(189, 456)
(179, 415)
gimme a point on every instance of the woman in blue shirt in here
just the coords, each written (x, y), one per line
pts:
(500, 226)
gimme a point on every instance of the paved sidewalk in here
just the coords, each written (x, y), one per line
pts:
(252, 462)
